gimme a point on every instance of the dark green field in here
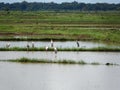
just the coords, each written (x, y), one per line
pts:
(99, 26)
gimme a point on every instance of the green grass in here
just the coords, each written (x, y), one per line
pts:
(68, 62)
(62, 49)
(61, 17)
(102, 26)
(71, 34)
(26, 60)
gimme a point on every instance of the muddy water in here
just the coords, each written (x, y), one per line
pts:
(16, 76)
(101, 57)
(58, 44)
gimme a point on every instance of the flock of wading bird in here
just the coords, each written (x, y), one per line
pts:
(46, 48)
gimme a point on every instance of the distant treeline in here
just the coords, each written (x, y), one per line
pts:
(35, 6)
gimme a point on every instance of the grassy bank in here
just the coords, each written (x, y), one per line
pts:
(107, 49)
(102, 26)
(26, 60)
(63, 35)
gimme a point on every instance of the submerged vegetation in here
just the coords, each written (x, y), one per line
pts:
(61, 49)
(26, 60)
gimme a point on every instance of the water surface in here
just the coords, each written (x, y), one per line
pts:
(101, 57)
(58, 44)
(16, 76)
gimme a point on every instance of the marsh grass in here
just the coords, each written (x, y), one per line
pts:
(61, 49)
(95, 63)
(103, 26)
(82, 62)
(64, 62)
(26, 60)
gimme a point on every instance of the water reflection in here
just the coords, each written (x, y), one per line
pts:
(15, 76)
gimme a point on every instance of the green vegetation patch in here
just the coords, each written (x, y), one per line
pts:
(26, 60)
(62, 49)
(99, 26)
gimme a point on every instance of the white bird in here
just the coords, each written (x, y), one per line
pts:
(51, 43)
(33, 45)
(46, 48)
(55, 49)
(7, 45)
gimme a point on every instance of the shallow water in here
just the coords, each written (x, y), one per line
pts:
(58, 44)
(101, 57)
(16, 76)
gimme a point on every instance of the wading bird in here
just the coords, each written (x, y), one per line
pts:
(77, 43)
(46, 48)
(33, 45)
(55, 50)
(7, 45)
(51, 43)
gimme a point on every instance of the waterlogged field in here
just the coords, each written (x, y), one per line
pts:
(69, 68)
(103, 26)
(58, 44)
